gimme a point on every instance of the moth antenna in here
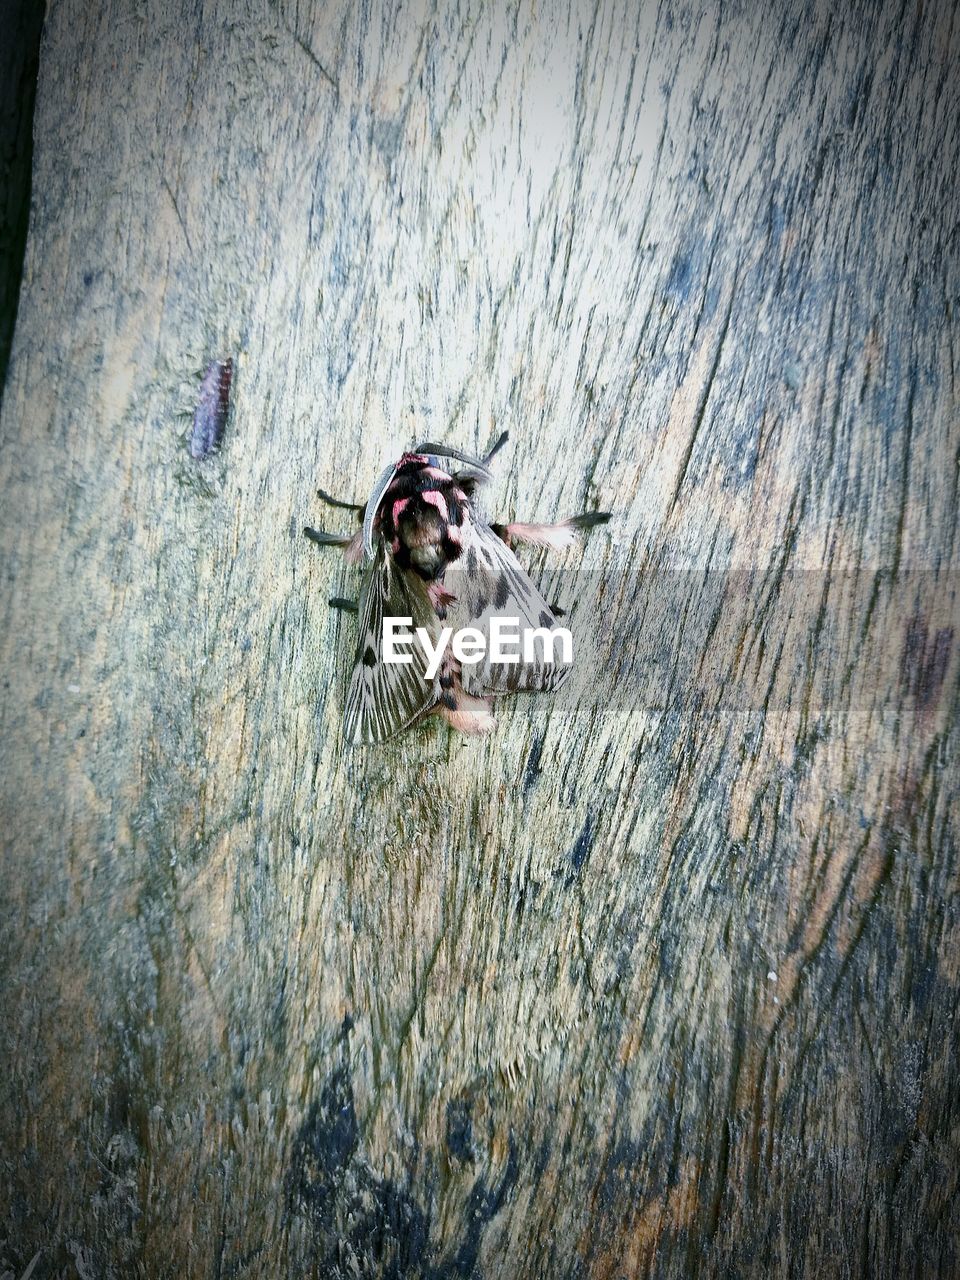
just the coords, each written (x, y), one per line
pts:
(470, 469)
(336, 502)
(351, 544)
(504, 437)
(471, 475)
(370, 510)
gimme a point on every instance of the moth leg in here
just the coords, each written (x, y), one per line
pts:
(587, 519)
(465, 713)
(440, 597)
(339, 602)
(350, 544)
(556, 536)
(336, 502)
(327, 539)
(461, 710)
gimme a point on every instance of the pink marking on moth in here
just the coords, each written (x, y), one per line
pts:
(398, 507)
(395, 546)
(436, 474)
(436, 500)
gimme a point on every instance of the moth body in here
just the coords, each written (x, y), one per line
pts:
(434, 560)
(420, 517)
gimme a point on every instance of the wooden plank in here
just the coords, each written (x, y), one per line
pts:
(661, 978)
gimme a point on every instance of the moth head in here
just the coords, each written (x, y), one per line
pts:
(384, 481)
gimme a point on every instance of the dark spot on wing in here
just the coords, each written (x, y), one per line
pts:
(369, 656)
(522, 585)
(546, 620)
(502, 592)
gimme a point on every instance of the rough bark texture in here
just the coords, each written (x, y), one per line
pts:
(659, 980)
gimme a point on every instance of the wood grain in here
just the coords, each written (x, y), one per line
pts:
(660, 979)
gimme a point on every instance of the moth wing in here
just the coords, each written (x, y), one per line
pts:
(489, 581)
(384, 698)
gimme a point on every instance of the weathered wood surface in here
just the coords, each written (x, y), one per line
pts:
(660, 983)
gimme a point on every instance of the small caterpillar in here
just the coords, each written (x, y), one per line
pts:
(213, 404)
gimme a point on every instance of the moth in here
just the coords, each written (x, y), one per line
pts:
(432, 557)
(213, 405)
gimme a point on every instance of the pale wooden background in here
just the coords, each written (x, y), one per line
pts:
(661, 984)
